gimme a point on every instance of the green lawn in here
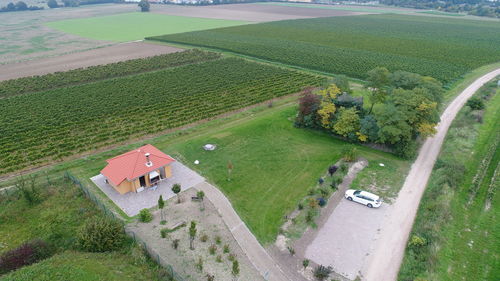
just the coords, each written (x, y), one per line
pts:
(274, 163)
(77, 266)
(378, 10)
(136, 26)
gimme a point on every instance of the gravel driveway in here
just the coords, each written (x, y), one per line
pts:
(345, 239)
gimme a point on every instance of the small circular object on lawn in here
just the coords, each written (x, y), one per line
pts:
(196, 162)
(381, 164)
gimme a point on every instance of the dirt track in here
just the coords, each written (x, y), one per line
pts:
(387, 254)
(105, 55)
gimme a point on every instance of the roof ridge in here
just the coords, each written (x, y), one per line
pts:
(135, 165)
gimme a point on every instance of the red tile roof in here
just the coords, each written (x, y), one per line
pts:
(132, 164)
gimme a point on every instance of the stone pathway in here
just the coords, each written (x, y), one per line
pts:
(257, 255)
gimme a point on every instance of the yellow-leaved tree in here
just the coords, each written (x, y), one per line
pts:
(327, 107)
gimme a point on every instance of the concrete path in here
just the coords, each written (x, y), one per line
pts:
(257, 255)
(388, 251)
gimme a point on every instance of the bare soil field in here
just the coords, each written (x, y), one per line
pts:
(105, 55)
(249, 12)
(24, 36)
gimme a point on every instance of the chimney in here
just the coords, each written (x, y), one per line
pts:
(148, 162)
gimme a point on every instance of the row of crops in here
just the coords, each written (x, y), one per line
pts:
(94, 73)
(439, 47)
(50, 125)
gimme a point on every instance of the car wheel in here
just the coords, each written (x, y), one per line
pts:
(369, 205)
(349, 198)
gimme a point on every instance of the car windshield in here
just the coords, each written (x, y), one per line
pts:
(357, 192)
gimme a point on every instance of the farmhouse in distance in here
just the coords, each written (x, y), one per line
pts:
(137, 169)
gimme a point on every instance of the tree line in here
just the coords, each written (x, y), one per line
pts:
(400, 107)
(19, 6)
(483, 8)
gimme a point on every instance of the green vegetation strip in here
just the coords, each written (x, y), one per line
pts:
(136, 26)
(351, 8)
(444, 48)
(455, 235)
(47, 126)
(100, 72)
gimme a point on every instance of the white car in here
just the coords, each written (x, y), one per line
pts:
(366, 198)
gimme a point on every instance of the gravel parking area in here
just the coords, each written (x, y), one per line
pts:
(347, 237)
(132, 203)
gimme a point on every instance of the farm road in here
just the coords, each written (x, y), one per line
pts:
(387, 254)
(105, 55)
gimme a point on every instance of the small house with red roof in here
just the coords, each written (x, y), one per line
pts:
(137, 169)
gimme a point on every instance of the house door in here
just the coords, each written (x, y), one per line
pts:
(142, 181)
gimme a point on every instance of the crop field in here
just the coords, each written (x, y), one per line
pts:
(49, 125)
(23, 85)
(458, 215)
(136, 26)
(444, 48)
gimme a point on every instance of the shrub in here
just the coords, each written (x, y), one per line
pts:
(291, 250)
(313, 203)
(349, 153)
(344, 167)
(324, 191)
(199, 264)
(475, 103)
(332, 169)
(212, 249)
(321, 201)
(310, 216)
(236, 268)
(204, 238)
(231, 257)
(145, 215)
(322, 272)
(175, 243)
(305, 263)
(300, 206)
(311, 191)
(218, 240)
(210, 277)
(218, 258)
(417, 241)
(26, 254)
(164, 232)
(226, 249)
(101, 235)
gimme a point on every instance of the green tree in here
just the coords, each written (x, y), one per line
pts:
(369, 128)
(176, 188)
(192, 234)
(144, 5)
(342, 83)
(378, 80)
(392, 125)
(21, 6)
(347, 122)
(200, 194)
(52, 4)
(475, 103)
(161, 205)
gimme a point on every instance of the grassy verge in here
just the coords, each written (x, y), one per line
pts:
(460, 233)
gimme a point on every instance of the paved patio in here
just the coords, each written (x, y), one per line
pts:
(131, 203)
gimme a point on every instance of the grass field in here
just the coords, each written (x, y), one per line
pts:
(77, 266)
(61, 122)
(458, 214)
(136, 26)
(57, 220)
(444, 48)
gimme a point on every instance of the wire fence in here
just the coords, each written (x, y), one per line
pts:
(92, 197)
(171, 274)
